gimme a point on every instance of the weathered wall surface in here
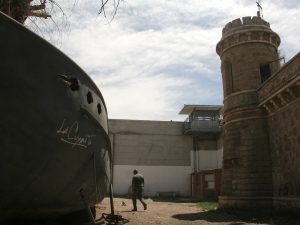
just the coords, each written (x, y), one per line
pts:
(280, 96)
(261, 113)
(245, 45)
(137, 142)
(209, 154)
(158, 148)
(284, 131)
(207, 159)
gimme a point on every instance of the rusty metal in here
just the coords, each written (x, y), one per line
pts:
(111, 218)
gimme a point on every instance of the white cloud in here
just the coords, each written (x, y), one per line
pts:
(284, 18)
(157, 55)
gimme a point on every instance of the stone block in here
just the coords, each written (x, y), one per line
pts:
(257, 20)
(247, 20)
(236, 23)
(227, 28)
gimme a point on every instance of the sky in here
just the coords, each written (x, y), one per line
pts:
(155, 56)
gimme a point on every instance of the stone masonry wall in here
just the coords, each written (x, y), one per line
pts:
(284, 133)
(246, 179)
(261, 163)
(280, 96)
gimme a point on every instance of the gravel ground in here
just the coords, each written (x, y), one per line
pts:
(179, 213)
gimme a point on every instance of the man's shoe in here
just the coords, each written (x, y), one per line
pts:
(134, 210)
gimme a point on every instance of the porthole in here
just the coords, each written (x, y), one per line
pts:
(74, 85)
(89, 97)
(99, 108)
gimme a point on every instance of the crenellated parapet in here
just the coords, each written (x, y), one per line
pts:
(244, 23)
(246, 30)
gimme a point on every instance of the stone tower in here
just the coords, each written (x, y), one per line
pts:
(248, 52)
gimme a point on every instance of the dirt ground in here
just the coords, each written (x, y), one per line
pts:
(167, 212)
(181, 213)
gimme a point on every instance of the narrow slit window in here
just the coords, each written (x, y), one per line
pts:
(228, 79)
(265, 72)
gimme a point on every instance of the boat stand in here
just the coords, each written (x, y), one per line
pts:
(109, 218)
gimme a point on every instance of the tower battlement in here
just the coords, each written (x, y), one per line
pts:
(248, 29)
(244, 23)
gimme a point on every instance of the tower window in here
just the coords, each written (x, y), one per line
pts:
(228, 79)
(265, 72)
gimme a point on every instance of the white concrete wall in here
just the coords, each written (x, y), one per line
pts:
(157, 179)
(149, 143)
(210, 159)
(207, 159)
(208, 156)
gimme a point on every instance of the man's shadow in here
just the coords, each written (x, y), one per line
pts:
(131, 211)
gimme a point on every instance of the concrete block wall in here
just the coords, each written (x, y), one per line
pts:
(209, 154)
(158, 149)
(172, 179)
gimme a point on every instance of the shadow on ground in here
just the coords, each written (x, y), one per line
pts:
(175, 200)
(217, 216)
(210, 216)
(164, 199)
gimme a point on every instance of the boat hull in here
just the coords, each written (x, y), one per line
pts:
(54, 133)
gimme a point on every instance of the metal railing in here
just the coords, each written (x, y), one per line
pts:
(209, 126)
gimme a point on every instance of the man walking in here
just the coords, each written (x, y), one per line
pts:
(137, 189)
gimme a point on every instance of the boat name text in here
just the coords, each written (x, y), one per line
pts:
(70, 135)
